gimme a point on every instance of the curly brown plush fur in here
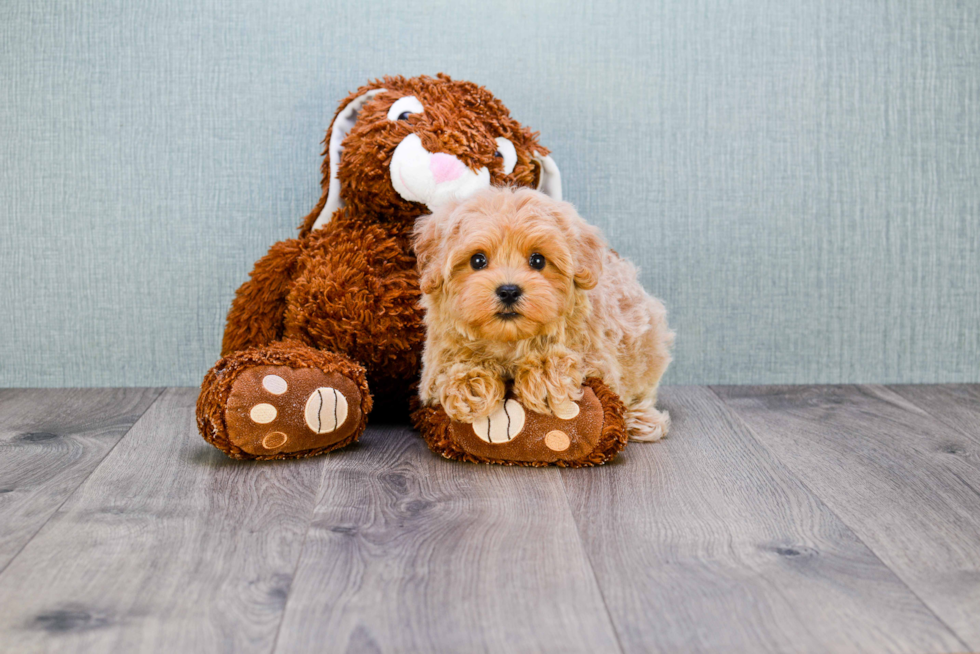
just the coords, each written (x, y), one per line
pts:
(345, 297)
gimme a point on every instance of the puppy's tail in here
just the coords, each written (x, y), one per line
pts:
(644, 423)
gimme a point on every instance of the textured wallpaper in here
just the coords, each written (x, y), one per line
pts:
(799, 180)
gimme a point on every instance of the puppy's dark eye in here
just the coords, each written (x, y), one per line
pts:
(498, 155)
(404, 115)
(536, 261)
(478, 261)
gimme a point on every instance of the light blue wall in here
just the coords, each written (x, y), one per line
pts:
(799, 179)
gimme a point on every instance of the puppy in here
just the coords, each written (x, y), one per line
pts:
(518, 288)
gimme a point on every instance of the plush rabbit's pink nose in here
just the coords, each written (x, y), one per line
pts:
(445, 167)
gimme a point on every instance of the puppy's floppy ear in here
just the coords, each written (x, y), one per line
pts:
(426, 240)
(587, 244)
(590, 250)
(429, 242)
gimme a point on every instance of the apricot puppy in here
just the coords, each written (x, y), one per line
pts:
(518, 288)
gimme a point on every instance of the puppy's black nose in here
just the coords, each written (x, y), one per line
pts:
(509, 293)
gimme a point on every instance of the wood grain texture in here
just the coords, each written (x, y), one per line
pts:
(907, 484)
(785, 519)
(411, 553)
(169, 546)
(50, 441)
(956, 405)
(705, 542)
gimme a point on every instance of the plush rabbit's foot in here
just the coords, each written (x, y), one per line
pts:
(265, 407)
(586, 432)
(274, 409)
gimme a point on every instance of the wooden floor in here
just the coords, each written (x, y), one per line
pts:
(772, 519)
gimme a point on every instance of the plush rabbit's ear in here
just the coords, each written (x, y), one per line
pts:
(342, 125)
(549, 177)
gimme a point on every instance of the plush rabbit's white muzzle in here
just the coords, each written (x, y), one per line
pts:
(433, 178)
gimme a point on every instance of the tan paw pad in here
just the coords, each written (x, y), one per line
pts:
(274, 440)
(275, 384)
(263, 413)
(557, 440)
(502, 425)
(566, 410)
(326, 410)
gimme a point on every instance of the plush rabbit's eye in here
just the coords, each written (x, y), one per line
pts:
(405, 107)
(536, 261)
(506, 151)
(478, 261)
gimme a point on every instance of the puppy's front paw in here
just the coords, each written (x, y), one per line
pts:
(471, 394)
(550, 387)
(531, 389)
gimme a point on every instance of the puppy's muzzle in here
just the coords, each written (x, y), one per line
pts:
(509, 294)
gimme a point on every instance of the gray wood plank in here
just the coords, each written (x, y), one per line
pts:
(50, 441)
(412, 553)
(169, 546)
(704, 542)
(957, 405)
(907, 484)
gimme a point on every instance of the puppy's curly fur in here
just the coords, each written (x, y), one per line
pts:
(580, 311)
